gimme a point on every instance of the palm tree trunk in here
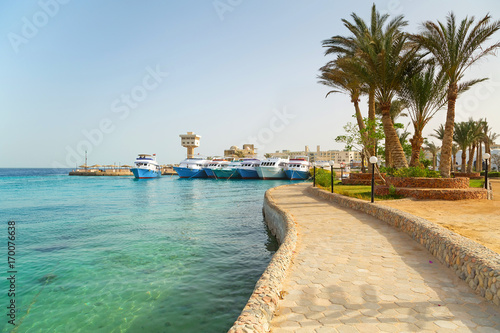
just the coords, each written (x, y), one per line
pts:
(362, 161)
(472, 152)
(361, 123)
(454, 162)
(479, 159)
(416, 145)
(464, 157)
(444, 166)
(393, 145)
(371, 117)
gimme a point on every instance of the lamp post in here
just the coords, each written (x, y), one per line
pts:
(314, 174)
(342, 171)
(486, 157)
(332, 178)
(373, 161)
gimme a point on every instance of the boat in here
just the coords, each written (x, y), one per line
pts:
(272, 168)
(298, 168)
(248, 170)
(192, 168)
(146, 167)
(229, 171)
(214, 164)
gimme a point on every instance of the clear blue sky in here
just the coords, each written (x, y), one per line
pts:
(123, 77)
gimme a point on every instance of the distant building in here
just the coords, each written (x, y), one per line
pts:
(351, 158)
(248, 150)
(190, 141)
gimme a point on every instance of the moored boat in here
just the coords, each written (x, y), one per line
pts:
(229, 171)
(298, 168)
(214, 164)
(272, 168)
(146, 167)
(192, 168)
(248, 170)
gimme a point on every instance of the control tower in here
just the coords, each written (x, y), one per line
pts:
(190, 141)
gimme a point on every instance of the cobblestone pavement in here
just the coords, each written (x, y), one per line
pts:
(354, 273)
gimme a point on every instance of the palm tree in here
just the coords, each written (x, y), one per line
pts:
(434, 150)
(363, 37)
(439, 132)
(475, 135)
(455, 49)
(333, 75)
(385, 66)
(454, 151)
(462, 137)
(424, 94)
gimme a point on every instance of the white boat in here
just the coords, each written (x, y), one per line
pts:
(214, 164)
(248, 168)
(272, 168)
(192, 168)
(146, 167)
(298, 168)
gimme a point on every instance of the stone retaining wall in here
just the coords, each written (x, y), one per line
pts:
(365, 176)
(471, 175)
(258, 312)
(472, 262)
(422, 182)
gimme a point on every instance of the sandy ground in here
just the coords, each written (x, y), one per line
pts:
(478, 220)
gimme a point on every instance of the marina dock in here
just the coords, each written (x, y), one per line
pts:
(166, 171)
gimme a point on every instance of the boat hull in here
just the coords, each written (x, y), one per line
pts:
(297, 175)
(271, 173)
(209, 172)
(226, 174)
(190, 173)
(248, 174)
(145, 173)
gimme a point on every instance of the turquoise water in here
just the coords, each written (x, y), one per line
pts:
(115, 254)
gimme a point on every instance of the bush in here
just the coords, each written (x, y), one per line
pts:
(389, 171)
(491, 174)
(416, 172)
(323, 178)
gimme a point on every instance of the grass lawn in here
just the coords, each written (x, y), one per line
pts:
(476, 183)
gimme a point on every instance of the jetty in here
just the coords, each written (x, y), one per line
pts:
(167, 170)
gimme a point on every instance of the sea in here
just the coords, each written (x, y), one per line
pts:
(118, 254)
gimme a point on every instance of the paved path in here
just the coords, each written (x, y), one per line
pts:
(354, 273)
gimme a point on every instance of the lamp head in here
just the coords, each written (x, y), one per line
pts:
(373, 159)
(331, 163)
(486, 156)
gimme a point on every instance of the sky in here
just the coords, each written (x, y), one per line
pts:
(121, 77)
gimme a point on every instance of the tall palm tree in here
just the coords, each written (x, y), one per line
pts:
(424, 94)
(455, 48)
(334, 76)
(362, 38)
(385, 66)
(439, 132)
(462, 137)
(434, 150)
(475, 136)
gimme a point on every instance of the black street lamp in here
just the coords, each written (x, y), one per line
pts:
(314, 174)
(373, 161)
(332, 178)
(486, 157)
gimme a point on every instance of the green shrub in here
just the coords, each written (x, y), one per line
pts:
(323, 177)
(491, 174)
(416, 172)
(387, 170)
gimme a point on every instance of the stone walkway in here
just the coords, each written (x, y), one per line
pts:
(354, 273)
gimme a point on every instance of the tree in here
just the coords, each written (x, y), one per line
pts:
(424, 94)
(495, 159)
(462, 137)
(434, 150)
(268, 155)
(455, 48)
(362, 38)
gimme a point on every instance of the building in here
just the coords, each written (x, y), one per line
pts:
(190, 141)
(248, 150)
(351, 158)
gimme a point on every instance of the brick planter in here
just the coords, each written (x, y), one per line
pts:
(472, 175)
(414, 182)
(435, 193)
(362, 179)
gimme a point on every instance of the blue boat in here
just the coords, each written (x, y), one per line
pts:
(229, 171)
(298, 169)
(192, 168)
(248, 170)
(146, 167)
